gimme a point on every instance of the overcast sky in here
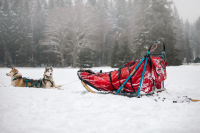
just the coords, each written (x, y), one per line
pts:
(188, 9)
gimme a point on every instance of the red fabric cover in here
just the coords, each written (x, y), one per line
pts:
(156, 72)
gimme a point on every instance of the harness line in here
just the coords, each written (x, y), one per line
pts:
(69, 82)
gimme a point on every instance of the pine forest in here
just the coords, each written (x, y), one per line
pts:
(92, 33)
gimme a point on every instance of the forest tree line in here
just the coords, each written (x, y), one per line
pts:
(90, 33)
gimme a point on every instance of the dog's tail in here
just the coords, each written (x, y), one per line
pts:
(58, 87)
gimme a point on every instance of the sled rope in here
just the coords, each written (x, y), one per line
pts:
(69, 83)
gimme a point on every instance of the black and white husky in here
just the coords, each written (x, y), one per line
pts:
(47, 81)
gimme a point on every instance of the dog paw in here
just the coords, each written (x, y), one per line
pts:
(60, 88)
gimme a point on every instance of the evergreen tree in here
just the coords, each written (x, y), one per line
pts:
(1, 39)
(51, 4)
(179, 33)
(68, 2)
(96, 56)
(2, 51)
(4, 27)
(132, 30)
(194, 42)
(188, 50)
(25, 51)
(121, 53)
(60, 3)
(78, 1)
(9, 27)
(8, 60)
(92, 2)
(114, 55)
(124, 53)
(187, 43)
(145, 24)
(157, 25)
(85, 58)
(197, 33)
(104, 26)
(37, 28)
(122, 15)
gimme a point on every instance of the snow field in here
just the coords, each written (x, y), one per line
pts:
(74, 110)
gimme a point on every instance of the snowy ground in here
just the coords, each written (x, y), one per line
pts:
(74, 110)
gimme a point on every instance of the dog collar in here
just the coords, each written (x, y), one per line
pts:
(15, 74)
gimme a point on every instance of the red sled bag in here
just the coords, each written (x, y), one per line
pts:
(147, 76)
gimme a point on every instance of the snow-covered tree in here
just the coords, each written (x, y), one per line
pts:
(179, 34)
(68, 2)
(197, 31)
(51, 4)
(69, 29)
(38, 13)
(8, 59)
(21, 28)
(187, 43)
(85, 59)
(103, 14)
(9, 27)
(187, 49)
(195, 38)
(81, 29)
(156, 24)
(121, 53)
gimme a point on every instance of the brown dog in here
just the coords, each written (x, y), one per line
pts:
(17, 80)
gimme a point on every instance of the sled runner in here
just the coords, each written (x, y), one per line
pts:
(141, 77)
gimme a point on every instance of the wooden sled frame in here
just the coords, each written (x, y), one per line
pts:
(87, 88)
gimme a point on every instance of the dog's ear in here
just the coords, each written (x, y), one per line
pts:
(13, 68)
(51, 68)
(46, 69)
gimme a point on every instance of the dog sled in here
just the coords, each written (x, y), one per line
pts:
(141, 77)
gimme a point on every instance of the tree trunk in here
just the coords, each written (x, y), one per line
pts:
(104, 44)
(74, 56)
(102, 56)
(62, 59)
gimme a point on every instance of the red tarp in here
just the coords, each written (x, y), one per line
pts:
(155, 73)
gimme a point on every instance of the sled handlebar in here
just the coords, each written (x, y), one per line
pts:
(158, 42)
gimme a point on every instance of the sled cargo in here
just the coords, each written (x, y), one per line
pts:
(143, 76)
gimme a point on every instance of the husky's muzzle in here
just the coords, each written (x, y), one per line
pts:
(8, 74)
